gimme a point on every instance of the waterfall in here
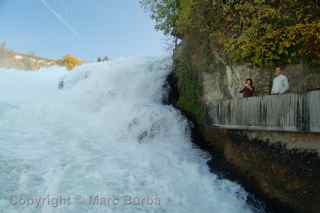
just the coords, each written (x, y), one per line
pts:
(102, 143)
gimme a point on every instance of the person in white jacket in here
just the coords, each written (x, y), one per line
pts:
(280, 82)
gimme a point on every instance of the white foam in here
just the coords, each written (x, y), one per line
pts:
(105, 134)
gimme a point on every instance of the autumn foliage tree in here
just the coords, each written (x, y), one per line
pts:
(70, 61)
(267, 32)
(261, 32)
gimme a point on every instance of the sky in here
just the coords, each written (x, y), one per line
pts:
(85, 28)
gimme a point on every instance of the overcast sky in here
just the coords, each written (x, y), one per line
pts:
(85, 28)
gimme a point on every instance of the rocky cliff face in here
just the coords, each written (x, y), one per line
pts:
(220, 80)
(265, 163)
(286, 177)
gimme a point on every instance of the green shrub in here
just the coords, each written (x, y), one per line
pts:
(190, 91)
(261, 32)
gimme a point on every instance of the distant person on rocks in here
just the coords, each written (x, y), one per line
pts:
(61, 84)
(248, 89)
(280, 83)
(105, 58)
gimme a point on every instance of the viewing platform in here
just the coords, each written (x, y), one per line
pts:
(288, 113)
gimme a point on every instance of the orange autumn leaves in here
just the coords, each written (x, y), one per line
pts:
(70, 61)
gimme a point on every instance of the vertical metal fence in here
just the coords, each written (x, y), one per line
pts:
(289, 112)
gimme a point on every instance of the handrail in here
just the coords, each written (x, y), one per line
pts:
(289, 112)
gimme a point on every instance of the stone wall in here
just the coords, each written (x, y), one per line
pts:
(273, 164)
(225, 81)
(205, 78)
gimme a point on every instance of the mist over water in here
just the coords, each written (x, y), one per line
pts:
(104, 143)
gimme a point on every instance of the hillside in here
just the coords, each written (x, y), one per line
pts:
(21, 61)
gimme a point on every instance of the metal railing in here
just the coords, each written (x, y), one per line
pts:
(289, 112)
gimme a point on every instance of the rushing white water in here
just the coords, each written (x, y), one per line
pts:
(104, 143)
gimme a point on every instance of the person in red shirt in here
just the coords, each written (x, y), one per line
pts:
(248, 89)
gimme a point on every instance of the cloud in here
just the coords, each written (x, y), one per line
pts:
(60, 18)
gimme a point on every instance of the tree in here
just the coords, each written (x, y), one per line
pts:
(164, 13)
(269, 32)
(261, 32)
(71, 61)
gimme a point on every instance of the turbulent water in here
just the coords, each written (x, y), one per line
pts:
(104, 143)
